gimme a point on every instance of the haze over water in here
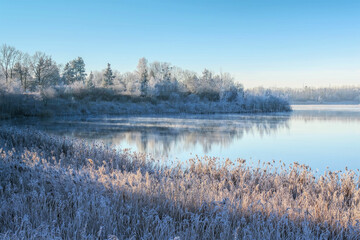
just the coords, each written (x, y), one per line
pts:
(318, 136)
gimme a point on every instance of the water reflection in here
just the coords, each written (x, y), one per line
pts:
(319, 136)
(159, 135)
(334, 113)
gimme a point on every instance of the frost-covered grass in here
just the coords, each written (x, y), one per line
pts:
(58, 188)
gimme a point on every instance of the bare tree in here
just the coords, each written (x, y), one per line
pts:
(45, 70)
(8, 57)
(22, 69)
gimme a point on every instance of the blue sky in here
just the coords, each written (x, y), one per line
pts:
(269, 43)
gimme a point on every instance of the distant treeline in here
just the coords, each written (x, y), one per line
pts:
(346, 94)
(45, 80)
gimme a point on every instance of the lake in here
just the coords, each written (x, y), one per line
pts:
(320, 136)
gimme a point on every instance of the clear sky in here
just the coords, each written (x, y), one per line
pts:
(269, 42)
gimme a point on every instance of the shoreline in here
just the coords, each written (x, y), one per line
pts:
(13, 105)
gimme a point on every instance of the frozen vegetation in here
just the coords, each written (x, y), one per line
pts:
(37, 86)
(312, 95)
(59, 188)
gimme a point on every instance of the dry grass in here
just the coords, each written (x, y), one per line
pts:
(56, 188)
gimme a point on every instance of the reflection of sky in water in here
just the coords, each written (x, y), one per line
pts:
(319, 136)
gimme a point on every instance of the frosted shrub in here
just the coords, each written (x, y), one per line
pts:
(48, 93)
(192, 98)
(14, 87)
(174, 97)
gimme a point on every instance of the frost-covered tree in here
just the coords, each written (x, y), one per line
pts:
(161, 70)
(74, 71)
(8, 58)
(68, 73)
(208, 86)
(191, 82)
(228, 91)
(142, 70)
(98, 78)
(119, 82)
(79, 69)
(162, 83)
(22, 69)
(45, 70)
(132, 83)
(90, 81)
(108, 76)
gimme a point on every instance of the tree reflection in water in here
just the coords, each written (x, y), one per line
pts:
(310, 135)
(159, 135)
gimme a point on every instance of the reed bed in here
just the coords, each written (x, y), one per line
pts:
(59, 188)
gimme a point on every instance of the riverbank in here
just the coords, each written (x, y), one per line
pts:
(26, 105)
(53, 187)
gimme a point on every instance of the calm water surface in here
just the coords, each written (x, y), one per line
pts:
(317, 135)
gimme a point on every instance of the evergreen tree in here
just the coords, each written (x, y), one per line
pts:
(74, 71)
(144, 83)
(108, 76)
(68, 74)
(142, 70)
(90, 81)
(79, 69)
